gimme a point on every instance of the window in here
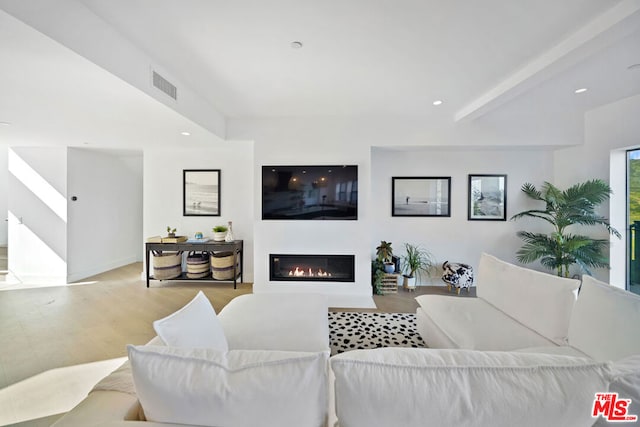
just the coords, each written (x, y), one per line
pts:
(633, 220)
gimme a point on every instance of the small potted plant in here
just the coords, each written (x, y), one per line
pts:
(384, 252)
(171, 232)
(219, 233)
(416, 262)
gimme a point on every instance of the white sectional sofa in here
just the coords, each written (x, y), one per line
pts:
(518, 309)
(283, 342)
(523, 353)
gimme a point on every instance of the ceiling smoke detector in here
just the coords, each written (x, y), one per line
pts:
(633, 67)
(296, 45)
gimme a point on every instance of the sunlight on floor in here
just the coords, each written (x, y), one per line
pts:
(52, 392)
(16, 285)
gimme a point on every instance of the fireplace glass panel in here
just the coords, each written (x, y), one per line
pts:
(315, 268)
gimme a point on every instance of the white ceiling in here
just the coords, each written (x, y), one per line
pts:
(509, 64)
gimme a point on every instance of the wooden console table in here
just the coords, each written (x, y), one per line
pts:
(235, 247)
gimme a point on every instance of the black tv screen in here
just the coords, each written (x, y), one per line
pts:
(310, 192)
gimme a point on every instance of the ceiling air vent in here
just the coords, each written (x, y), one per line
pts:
(165, 86)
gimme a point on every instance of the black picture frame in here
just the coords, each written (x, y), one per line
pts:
(421, 196)
(487, 197)
(201, 192)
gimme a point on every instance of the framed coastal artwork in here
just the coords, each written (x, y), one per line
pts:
(421, 196)
(201, 192)
(487, 198)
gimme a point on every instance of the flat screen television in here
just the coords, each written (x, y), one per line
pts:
(310, 192)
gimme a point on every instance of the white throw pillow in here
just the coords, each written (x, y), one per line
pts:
(443, 387)
(194, 325)
(540, 301)
(605, 323)
(238, 388)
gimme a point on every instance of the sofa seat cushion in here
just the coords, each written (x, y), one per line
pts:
(237, 388)
(418, 387)
(471, 323)
(541, 301)
(605, 323)
(289, 322)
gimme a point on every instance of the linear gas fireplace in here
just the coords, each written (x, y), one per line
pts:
(312, 268)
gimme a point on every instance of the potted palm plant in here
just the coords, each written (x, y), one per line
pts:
(415, 262)
(573, 206)
(384, 252)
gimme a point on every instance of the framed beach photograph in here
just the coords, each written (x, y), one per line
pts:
(487, 198)
(420, 196)
(201, 192)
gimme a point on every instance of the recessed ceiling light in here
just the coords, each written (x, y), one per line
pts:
(437, 102)
(296, 45)
(581, 90)
(185, 133)
(5, 124)
(634, 67)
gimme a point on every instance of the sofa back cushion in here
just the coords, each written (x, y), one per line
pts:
(605, 323)
(237, 388)
(540, 301)
(443, 387)
(194, 325)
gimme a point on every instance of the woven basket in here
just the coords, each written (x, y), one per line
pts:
(198, 265)
(167, 265)
(222, 266)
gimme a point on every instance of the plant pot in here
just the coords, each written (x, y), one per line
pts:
(389, 267)
(171, 235)
(409, 283)
(219, 236)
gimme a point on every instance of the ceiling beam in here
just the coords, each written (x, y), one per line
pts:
(615, 24)
(75, 26)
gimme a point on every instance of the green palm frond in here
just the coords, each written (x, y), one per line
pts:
(595, 191)
(575, 206)
(531, 191)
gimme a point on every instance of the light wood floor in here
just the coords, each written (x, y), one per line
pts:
(57, 342)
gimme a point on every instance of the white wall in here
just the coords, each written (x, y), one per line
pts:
(609, 130)
(288, 145)
(37, 233)
(105, 223)
(456, 238)
(4, 195)
(411, 150)
(163, 190)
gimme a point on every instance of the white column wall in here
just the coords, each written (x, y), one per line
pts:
(4, 195)
(609, 130)
(37, 232)
(163, 190)
(105, 222)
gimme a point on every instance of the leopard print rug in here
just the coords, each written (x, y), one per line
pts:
(352, 331)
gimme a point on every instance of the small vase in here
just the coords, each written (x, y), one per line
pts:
(389, 267)
(229, 236)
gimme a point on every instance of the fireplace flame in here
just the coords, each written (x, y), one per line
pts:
(298, 272)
